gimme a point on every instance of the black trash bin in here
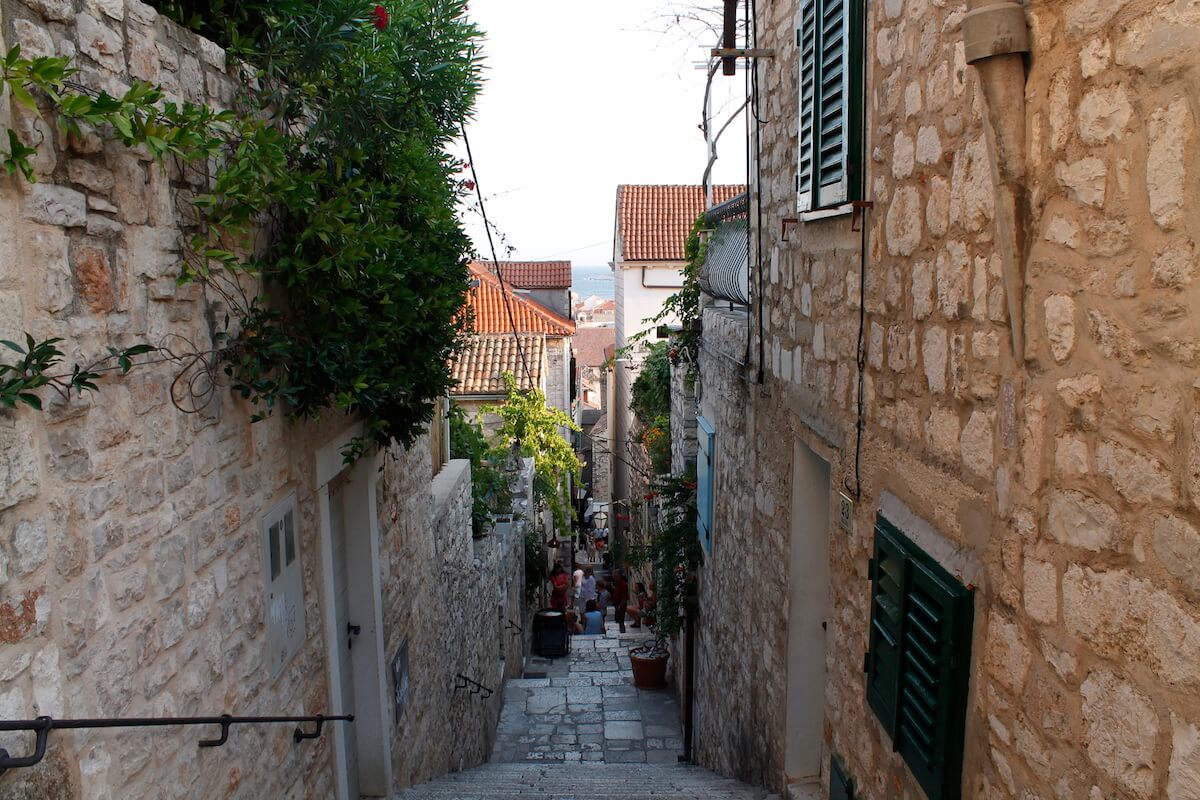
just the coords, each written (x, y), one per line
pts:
(551, 638)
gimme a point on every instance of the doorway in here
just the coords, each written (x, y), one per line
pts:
(808, 611)
(354, 624)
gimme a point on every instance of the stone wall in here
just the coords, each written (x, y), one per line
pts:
(683, 419)
(452, 616)
(131, 579)
(1066, 472)
(558, 368)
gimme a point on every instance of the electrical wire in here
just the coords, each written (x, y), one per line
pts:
(512, 321)
(614, 454)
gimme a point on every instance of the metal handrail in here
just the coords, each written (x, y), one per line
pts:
(43, 725)
(462, 682)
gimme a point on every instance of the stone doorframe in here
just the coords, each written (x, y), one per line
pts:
(372, 717)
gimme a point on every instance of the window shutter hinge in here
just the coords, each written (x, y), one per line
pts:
(870, 569)
(799, 36)
(867, 662)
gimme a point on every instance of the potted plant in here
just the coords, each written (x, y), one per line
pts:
(649, 662)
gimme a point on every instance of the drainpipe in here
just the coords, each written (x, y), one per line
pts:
(995, 39)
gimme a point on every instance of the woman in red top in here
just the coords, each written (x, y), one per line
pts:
(559, 581)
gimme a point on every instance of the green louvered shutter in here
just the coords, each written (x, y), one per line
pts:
(806, 41)
(923, 706)
(830, 40)
(887, 609)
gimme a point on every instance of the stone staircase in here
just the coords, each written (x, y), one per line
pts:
(566, 781)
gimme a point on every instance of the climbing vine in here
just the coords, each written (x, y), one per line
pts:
(533, 428)
(336, 149)
(673, 550)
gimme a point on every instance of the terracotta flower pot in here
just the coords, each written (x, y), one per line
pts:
(649, 666)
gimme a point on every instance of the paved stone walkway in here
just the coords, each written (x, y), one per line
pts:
(586, 709)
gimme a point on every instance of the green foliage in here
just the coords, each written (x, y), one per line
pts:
(32, 371)
(656, 438)
(534, 429)
(535, 564)
(651, 391)
(673, 551)
(491, 492)
(338, 151)
(651, 405)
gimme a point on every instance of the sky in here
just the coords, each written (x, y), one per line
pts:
(579, 97)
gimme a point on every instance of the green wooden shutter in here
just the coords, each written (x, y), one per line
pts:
(831, 91)
(919, 662)
(806, 41)
(887, 609)
(830, 40)
(933, 695)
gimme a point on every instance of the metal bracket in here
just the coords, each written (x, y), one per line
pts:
(224, 737)
(42, 733)
(783, 223)
(856, 214)
(743, 52)
(300, 735)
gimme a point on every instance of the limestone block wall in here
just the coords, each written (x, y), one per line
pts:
(1067, 472)
(558, 365)
(452, 615)
(683, 419)
(131, 579)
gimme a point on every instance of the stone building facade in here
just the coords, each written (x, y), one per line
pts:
(1029, 413)
(136, 539)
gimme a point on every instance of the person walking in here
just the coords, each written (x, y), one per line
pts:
(620, 599)
(587, 588)
(576, 585)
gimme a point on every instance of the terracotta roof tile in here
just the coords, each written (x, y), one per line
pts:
(653, 222)
(491, 316)
(479, 368)
(590, 343)
(532, 274)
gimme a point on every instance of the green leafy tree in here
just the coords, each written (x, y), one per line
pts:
(532, 428)
(491, 491)
(337, 151)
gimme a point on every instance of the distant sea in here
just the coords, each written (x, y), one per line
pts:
(592, 280)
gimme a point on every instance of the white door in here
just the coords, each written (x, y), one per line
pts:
(342, 621)
(808, 611)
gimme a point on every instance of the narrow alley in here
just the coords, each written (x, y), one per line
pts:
(576, 728)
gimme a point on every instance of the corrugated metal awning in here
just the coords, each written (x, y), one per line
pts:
(726, 272)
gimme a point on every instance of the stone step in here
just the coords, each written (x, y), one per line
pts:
(585, 782)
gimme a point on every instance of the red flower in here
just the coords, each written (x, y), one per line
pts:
(470, 185)
(381, 18)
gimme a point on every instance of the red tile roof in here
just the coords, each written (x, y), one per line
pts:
(653, 222)
(480, 368)
(532, 274)
(590, 343)
(491, 316)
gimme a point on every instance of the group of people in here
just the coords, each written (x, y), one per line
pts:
(586, 600)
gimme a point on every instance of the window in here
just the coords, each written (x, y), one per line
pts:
(284, 584)
(830, 40)
(919, 659)
(704, 483)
